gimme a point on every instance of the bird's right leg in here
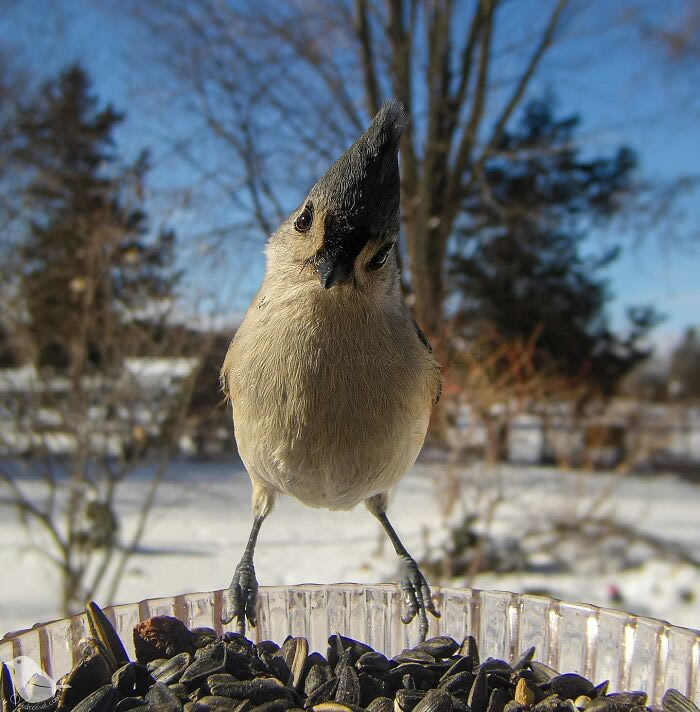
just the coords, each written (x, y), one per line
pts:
(243, 590)
(415, 587)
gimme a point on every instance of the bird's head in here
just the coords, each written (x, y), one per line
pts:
(344, 233)
(22, 668)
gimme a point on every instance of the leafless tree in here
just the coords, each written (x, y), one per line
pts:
(67, 456)
(72, 444)
(282, 88)
(590, 535)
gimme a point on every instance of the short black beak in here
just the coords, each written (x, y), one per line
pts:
(332, 269)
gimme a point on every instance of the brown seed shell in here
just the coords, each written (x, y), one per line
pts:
(523, 694)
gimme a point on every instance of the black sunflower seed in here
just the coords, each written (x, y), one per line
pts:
(208, 660)
(216, 703)
(440, 647)
(462, 664)
(499, 698)
(162, 697)
(372, 687)
(524, 659)
(104, 699)
(478, 699)
(570, 685)
(173, 670)
(323, 693)
(469, 647)
(380, 704)
(435, 701)
(422, 657)
(318, 675)
(407, 700)
(373, 663)
(675, 701)
(461, 682)
(543, 673)
(231, 674)
(632, 698)
(348, 692)
(257, 691)
(128, 703)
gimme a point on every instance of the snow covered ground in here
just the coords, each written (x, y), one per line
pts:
(201, 519)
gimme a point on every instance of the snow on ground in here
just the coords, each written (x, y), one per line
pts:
(200, 523)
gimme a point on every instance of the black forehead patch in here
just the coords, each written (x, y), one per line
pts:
(345, 239)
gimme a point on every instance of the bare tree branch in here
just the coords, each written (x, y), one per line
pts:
(367, 58)
(544, 43)
(466, 144)
(467, 61)
(409, 47)
(401, 76)
(27, 507)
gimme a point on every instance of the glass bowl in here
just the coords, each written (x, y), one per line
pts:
(633, 652)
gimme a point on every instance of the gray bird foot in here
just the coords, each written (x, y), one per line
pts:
(243, 593)
(416, 594)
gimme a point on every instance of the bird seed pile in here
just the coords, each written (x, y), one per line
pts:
(181, 670)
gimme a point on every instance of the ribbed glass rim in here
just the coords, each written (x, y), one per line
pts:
(633, 652)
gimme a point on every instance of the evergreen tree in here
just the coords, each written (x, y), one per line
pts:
(88, 263)
(518, 268)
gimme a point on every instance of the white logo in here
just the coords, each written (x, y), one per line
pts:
(30, 681)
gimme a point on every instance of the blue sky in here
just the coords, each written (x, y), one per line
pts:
(621, 86)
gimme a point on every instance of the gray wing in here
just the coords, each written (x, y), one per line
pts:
(421, 336)
(424, 340)
(40, 687)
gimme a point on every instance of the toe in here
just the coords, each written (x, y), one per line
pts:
(232, 610)
(417, 597)
(251, 601)
(236, 607)
(427, 597)
(243, 593)
(409, 597)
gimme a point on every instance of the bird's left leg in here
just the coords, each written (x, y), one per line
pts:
(243, 589)
(413, 584)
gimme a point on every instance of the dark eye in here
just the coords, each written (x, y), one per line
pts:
(380, 258)
(304, 219)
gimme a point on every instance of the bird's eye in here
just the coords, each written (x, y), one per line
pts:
(380, 258)
(304, 219)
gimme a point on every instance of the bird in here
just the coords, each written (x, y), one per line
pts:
(330, 378)
(30, 681)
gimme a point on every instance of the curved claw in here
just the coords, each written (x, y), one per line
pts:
(416, 595)
(244, 595)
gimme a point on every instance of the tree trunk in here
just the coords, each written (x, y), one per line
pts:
(426, 252)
